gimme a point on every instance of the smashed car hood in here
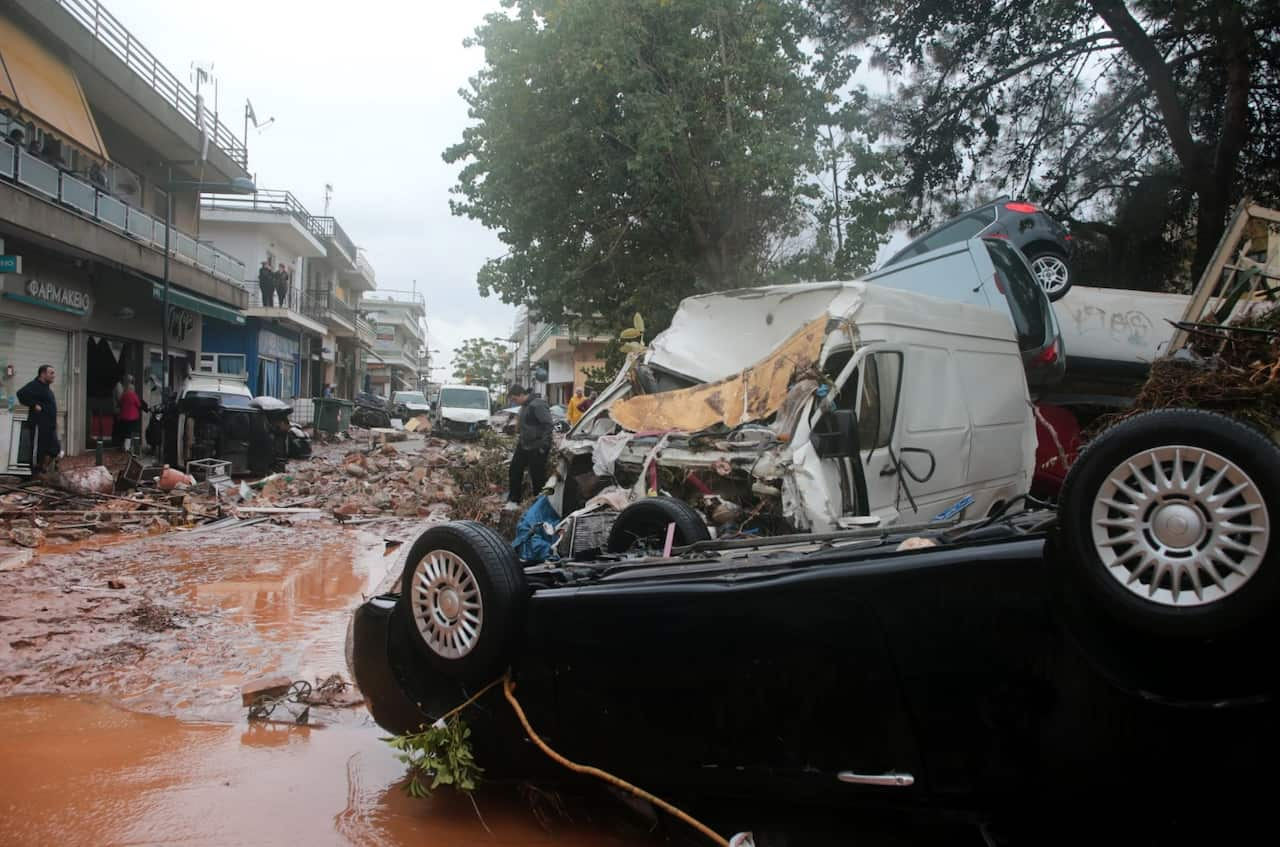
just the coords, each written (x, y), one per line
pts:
(715, 336)
(753, 394)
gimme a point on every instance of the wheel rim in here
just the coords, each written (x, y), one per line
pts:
(447, 607)
(1180, 526)
(1052, 273)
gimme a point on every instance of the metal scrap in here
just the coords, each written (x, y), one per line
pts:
(754, 394)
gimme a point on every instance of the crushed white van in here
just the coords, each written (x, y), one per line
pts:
(461, 410)
(811, 408)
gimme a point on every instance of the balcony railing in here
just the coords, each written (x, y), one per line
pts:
(278, 202)
(111, 34)
(320, 305)
(363, 265)
(291, 299)
(328, 228)
(66, 189)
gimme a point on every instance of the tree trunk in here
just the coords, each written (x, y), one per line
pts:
(1211, 222)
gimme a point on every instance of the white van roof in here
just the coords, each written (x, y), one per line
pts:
(714, 336)
(464, 388)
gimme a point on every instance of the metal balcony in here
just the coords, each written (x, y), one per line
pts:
(329, 229)
(112, 35)
(72, 191)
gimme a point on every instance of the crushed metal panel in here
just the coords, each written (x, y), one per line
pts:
(697, 346)
(755, 393)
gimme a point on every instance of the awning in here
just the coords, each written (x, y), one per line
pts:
(43, 85)
(208, 308)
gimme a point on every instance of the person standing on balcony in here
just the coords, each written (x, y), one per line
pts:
(284, 282)
(266, 282)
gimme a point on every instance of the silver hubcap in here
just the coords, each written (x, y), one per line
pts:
(446, 604)
(1180, 526)
(1052, 273)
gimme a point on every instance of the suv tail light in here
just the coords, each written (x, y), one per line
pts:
(1049, 355)
(1003, 235)
(1024, 208)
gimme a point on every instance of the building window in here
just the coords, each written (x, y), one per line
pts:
(286, 381)
(267, 372)
(227, 364)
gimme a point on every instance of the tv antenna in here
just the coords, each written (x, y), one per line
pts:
(328, 195)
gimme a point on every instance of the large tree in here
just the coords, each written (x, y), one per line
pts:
(482, 361)
(1096, 107)
(633, 152)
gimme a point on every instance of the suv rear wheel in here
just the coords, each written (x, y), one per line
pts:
(1052, 272)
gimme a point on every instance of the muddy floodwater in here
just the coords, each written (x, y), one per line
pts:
(122, 714)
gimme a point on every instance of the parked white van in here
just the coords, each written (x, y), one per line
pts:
(813, 408)
(461, 410)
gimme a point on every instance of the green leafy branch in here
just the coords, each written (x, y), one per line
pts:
(440, 754)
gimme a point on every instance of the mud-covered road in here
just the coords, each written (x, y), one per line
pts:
(122, 715)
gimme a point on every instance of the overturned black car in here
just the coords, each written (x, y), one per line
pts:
(218, 418)
(1107, 660)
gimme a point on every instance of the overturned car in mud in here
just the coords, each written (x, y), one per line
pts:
(800, 563)
(1104, 657)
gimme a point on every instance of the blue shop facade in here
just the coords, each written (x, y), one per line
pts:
(266, 354)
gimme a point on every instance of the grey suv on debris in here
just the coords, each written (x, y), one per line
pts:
(1044, 241)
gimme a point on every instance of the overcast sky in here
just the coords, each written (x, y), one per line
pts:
(365, 97)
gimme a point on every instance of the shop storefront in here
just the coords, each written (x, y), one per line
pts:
(94, 326)
(269, 358)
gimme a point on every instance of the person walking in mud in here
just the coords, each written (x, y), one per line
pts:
(37, 396)
(533, 444)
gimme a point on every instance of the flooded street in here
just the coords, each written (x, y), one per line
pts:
(124, 723)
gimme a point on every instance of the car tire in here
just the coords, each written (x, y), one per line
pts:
(1166, 519)
(463, 596)
(1052, 271)
(647, 520)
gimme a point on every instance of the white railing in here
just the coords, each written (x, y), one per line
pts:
(41, 176)
(112, 212)
(64, 188)
(140, 225)
(79, 195)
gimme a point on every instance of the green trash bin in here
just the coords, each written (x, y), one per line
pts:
(333, 415)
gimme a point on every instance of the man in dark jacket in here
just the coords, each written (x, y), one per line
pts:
(533, 443)
(42, 416)
(267, 283)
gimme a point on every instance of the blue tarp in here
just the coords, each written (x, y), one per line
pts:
(533, 541)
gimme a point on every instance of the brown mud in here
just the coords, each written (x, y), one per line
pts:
(122, 714)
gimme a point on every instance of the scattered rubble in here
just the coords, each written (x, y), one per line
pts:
(354, 482)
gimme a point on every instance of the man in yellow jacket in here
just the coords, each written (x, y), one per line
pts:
(575, 407)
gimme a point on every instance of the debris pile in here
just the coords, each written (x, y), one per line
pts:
(78, 504)
(438, 481)
(1233, 368)
(432, 479)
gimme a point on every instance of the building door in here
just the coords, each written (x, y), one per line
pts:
(27, 348)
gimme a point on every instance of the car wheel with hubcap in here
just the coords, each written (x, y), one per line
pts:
(463, 594)
(1052, 272)
(1168, 517)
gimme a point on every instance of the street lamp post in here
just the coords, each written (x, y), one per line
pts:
(238, 185)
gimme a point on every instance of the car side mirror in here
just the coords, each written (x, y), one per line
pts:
(840, 438)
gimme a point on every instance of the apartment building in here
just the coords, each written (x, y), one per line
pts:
(552, 358)
(307, 333)
(399, 323)
(98, 142)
